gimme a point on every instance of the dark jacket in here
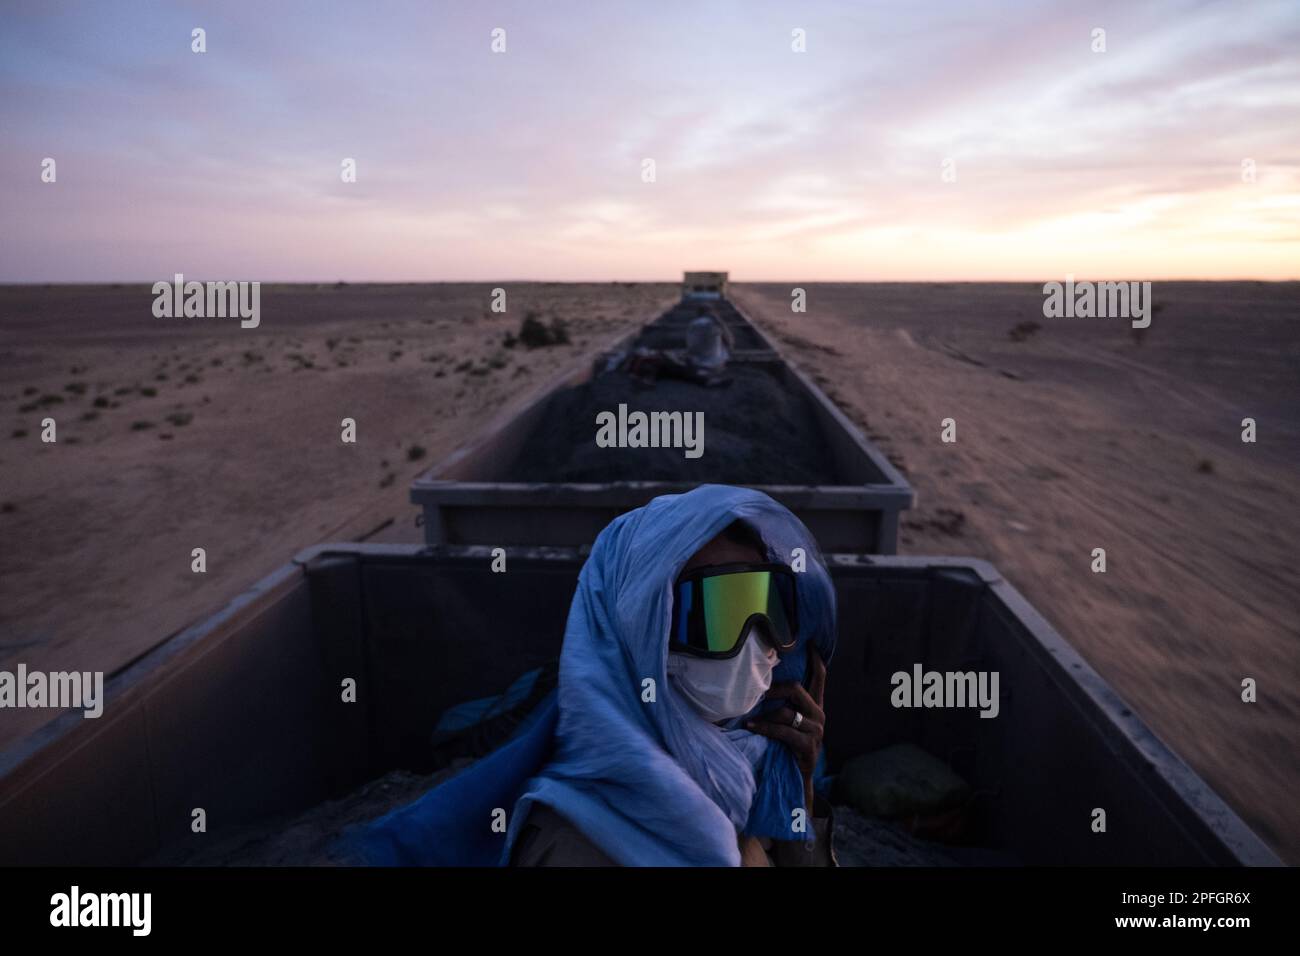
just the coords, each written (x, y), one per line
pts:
(548, 839)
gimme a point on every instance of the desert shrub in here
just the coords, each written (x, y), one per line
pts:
(535, 334)
(1023, 330)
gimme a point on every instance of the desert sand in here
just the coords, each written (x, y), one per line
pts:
(175, 434)
(1079, 436)
(184, 433)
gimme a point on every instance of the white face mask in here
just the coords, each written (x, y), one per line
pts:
(720, 690)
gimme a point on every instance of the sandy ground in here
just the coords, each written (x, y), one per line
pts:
(175, 434)
(1080, 437)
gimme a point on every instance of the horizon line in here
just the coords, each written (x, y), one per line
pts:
(731, 281)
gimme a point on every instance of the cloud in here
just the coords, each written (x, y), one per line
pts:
(772, 163)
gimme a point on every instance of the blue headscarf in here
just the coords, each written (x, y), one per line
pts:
(629, 762)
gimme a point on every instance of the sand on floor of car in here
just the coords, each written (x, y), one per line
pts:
(310, 838)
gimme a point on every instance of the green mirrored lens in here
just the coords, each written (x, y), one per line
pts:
(780, 598)
(730, 599)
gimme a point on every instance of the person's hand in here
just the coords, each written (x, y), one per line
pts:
(805, 740)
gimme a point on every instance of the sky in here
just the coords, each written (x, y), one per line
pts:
(907, 141)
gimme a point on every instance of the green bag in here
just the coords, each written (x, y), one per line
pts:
(900, 781)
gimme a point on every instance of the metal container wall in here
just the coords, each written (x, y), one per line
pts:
(241, 714)
(468, 498)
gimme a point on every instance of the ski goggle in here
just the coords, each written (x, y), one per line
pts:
(713, 608)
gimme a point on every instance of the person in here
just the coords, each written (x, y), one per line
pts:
(688, 716)
(709, 343)
(720, 687)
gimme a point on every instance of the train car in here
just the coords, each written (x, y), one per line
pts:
(704, 285)
(534, 477)
(241, 714)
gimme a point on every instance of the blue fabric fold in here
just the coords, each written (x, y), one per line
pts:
(454, 823)
(616, 750)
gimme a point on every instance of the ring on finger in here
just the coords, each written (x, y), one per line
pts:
(798, 719)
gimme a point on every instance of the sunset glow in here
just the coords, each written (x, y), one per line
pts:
(821, 165)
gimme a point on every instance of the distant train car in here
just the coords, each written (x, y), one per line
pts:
(704, 285)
